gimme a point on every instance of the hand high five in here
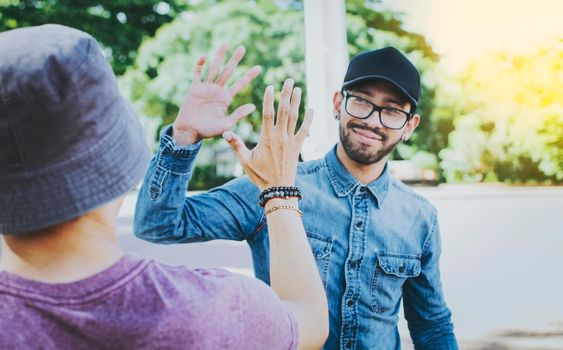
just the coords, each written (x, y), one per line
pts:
(203, 112)
(273, 162)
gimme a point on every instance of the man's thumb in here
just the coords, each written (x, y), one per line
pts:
(236, 144)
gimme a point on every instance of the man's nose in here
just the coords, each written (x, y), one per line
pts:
(374, 121)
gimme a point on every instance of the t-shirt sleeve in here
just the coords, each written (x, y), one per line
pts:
(267, 320)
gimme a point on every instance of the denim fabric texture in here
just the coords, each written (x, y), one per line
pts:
(374, 245)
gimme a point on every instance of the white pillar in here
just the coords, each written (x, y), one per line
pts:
(326, 58)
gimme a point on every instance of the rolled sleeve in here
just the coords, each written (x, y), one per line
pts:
(173, 158)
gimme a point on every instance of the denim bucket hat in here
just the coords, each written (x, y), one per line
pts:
(69, 141)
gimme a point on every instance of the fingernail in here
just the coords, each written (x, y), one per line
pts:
(270, 89)
(227, 135)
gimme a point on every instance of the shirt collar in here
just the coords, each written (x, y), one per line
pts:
(343, 182)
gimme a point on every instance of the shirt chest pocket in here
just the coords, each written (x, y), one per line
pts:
(390, 273)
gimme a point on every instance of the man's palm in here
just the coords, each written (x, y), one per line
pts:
(204, 111)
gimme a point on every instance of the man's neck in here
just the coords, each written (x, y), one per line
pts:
(66, 253)
(365, 173)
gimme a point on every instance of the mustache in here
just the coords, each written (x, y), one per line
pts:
(377, 131)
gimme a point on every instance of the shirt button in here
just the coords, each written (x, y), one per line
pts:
(359, 224)
(353, 264)
(349, 344)
(363, 189)
(401, 268)
(349, 302)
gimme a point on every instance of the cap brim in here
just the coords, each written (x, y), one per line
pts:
(384, 78)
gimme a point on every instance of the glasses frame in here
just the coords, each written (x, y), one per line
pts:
(375, 107)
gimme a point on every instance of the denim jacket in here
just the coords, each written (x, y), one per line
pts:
(374, 245)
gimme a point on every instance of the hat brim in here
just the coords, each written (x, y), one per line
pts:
(78, 185)
(359, 80)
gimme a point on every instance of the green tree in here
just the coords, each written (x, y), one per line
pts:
(273, 32)
(509, 125)
(120, 25)
(162, 73)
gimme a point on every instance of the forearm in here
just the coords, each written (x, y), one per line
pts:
(164, 213)
(294, 274)
(161, 199)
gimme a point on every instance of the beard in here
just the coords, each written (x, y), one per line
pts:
(364, 154)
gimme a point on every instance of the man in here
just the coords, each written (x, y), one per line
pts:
(375, 241)
(71, 149)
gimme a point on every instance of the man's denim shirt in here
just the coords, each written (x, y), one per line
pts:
(373, 244)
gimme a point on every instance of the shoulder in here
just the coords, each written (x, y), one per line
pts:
(243, 303)
(410, 198)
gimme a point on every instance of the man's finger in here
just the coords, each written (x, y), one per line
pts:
(243, 81)
(284, 104)
(198, 69)
(216, 64)
(230, 67)
(268, 110)
(240, 113)
(238, 146)
(294, 111)
(304, 129)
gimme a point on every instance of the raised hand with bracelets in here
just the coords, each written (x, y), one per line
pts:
(272, 164)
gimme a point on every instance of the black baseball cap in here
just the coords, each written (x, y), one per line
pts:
(387, 64)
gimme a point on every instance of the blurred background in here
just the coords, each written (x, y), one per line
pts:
(488, 152)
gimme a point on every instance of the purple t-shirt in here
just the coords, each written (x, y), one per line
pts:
(143, 304)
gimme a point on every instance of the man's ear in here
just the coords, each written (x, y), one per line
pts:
(411, 126)
(336, 103)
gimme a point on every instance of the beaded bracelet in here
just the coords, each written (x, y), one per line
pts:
(284, 192)
(285, 207)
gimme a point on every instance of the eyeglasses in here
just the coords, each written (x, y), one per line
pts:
(361, 108)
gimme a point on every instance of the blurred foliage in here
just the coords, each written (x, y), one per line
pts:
(162, 73)
(509, 119)
(501, 119)
(120, 25)
(273, 33)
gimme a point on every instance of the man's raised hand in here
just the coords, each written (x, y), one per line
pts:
(204, 110)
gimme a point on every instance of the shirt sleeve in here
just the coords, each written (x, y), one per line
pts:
(427, 314)
(164, 214)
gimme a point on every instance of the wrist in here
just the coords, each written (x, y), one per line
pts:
(279, 183)
(282, 192)
(183, 137)
(276, 202)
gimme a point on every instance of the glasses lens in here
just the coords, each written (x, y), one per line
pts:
(393, 118)
(357, 107)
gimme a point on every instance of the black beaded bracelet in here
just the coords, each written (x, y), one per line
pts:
(278, 192)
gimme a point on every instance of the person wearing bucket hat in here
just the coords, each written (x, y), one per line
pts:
(71, 148)
(376, 242)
